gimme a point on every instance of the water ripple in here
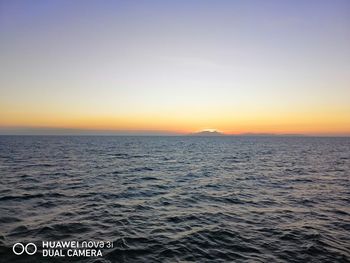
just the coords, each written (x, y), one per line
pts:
(179, 199)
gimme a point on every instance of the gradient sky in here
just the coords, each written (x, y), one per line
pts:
(180, 66)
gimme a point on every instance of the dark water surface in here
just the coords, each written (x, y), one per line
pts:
(178, 199)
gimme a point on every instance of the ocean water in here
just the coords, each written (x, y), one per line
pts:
(178, 199)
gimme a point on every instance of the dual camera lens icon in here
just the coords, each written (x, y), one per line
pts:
(19, 249)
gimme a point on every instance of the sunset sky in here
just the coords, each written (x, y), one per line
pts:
(176, 66)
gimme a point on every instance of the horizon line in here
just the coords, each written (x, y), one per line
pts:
(49, 131)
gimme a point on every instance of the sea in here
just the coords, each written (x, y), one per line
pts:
(176, 198)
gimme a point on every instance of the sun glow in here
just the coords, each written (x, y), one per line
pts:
(209, 130)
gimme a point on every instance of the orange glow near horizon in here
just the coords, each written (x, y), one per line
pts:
(312, 124)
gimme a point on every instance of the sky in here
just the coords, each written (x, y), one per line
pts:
(175, 66)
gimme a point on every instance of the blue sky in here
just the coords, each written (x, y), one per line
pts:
(235, 66)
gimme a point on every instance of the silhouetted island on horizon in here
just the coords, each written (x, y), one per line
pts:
(216, 133)
(207, 133)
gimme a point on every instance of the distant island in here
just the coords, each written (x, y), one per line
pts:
(217, 133)
(207, 133)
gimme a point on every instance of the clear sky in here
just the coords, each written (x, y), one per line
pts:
(178, 66)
